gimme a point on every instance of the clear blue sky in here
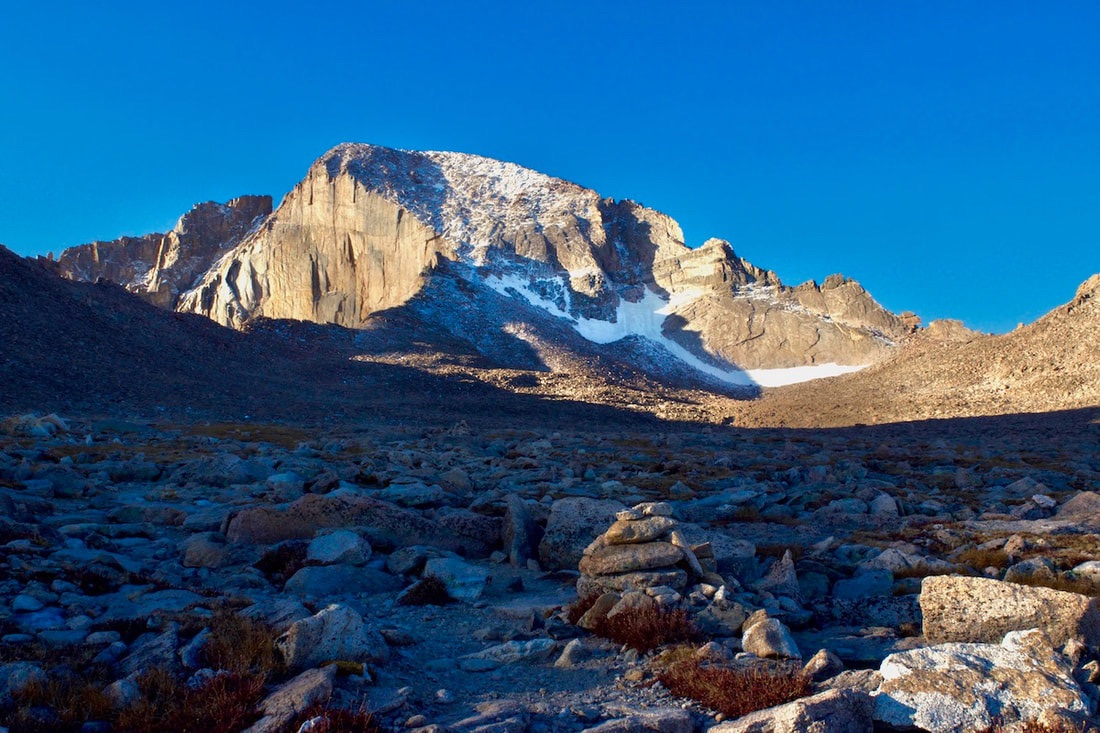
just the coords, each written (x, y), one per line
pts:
(945, 154)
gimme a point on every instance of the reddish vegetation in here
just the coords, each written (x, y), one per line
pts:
(337, 720)
(735, 692)
(648, 627)
(225, 704)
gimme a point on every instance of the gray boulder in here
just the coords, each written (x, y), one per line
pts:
(965, 609)
(311, 687)
(519, 533)
(339, 546)
(333, 581)
(334, 633)
(832, 711)
(465, 582)
(572, 526)
(955, 688)
(660, 720)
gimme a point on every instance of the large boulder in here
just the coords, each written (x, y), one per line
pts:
(336, 633)
(573, 524)
(312, 687)
(630, 558)
(954, 688)
(465, 582)
(334, 581)
(967, 609)
(832, 711)
(383, 524)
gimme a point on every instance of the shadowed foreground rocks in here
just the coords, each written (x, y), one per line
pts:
(902, 568)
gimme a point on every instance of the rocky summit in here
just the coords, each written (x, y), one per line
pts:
(532, 271)
(487, 453)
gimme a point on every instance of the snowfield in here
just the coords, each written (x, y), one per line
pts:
(644, 319)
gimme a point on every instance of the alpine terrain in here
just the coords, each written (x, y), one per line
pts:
(477, 456)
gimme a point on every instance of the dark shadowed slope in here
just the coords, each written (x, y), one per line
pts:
(82, 348)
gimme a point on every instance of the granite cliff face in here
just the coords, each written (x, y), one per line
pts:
(369, 227)
(158, 267)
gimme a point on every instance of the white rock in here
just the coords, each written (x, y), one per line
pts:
(334, 633)
(769, 638)
(954, 688)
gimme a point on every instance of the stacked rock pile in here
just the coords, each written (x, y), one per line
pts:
(643, 559)
(644, 549)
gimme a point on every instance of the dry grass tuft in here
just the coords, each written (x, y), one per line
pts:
(580, 607)
(242, 646)
(1067, 582)
(70, 701)
(648, 627)
(225, 704)
(982, 559)
(735, 692)
(284, 436)
(337, 720)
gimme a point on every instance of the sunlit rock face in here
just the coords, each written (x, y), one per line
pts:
(158, 267)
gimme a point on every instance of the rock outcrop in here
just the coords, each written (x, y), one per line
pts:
(954, 688)
(949, 371)
(158, 267)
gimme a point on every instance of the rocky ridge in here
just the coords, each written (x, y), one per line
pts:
(159, 267)
(1047, 365)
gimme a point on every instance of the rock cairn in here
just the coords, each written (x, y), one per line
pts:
(644, 549)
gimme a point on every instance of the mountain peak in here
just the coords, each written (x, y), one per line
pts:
(518, 261)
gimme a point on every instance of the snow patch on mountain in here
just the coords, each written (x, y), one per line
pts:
(644, 318)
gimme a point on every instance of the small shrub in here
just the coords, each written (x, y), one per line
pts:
(982, 559)
(735, 692)
(242, 646)
(580, 607)
(1067, 582)
(70, 700)
(429, 591)
(777, 551)
(648, 627)
(225, 704)
(337, 720)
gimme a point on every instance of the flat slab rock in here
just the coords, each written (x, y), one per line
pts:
(615, 559)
